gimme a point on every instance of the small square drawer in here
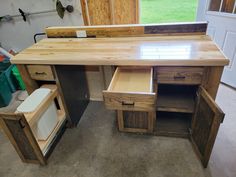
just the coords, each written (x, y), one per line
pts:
(131, 89)
(179, 75)
(41, 72)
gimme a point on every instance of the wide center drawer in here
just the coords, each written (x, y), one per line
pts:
(131, 89)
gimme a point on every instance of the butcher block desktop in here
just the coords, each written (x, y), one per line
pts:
(161, 80)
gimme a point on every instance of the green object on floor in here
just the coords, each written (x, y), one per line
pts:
(11, 79)
(16, 73)
(4, 65)
(5, 92)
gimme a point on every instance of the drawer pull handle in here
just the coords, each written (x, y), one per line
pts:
(127, 103)
(179, 77)
(40, 73)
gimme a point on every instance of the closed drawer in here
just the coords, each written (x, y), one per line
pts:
(131, 89)
(179, 75)
(40, 72)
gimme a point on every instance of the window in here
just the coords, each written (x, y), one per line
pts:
(227, 6)
(158, 11)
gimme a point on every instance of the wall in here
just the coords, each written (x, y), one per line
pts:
(19, 34)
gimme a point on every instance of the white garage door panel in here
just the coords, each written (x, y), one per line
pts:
(229, 47)
(211, 32)
(222, 29)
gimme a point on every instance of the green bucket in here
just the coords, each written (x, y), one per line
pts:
(5, 92)
(16, 73)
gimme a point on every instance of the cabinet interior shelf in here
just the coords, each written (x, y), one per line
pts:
(176, 98)
(176, 103)
(173, 124)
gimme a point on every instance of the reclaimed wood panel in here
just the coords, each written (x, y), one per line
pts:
(176, 28)
(136, 121)
(205, 125)
(192, 28)
(20, 135)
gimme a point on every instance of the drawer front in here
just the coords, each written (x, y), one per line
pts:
(40, 72)
(129, 101)
(179, 75)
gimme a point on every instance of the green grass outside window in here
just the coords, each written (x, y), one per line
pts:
(161, 11)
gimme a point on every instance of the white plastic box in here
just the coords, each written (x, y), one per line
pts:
(48, 120)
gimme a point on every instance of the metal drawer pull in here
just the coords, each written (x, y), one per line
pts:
(179, 77)
(40, 73)
(127, 103)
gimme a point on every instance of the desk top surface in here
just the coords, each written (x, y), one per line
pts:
(186, 50)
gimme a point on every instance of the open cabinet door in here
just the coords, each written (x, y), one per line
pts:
(205, 125)
(19, 133)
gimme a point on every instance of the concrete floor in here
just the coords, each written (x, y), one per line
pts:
(96, 148)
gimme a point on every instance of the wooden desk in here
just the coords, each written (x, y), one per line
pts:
(178, 65)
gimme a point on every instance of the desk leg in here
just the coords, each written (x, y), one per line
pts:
(30, 84)
(211, 79)
(75, 90)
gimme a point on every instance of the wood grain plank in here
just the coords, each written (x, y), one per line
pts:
(189, 50)
(129, 29)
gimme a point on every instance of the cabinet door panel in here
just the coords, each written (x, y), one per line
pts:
(19, 133)
(205, 125)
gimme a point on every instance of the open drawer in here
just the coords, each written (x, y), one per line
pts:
(131, 89)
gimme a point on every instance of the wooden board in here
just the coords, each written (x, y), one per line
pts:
(126, 30)
(198, 50)
(99, 12)
(107, 12)
(125, 12)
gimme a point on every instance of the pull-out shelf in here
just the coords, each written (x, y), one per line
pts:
(19, 129)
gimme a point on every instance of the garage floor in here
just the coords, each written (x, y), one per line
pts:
(96, 148)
